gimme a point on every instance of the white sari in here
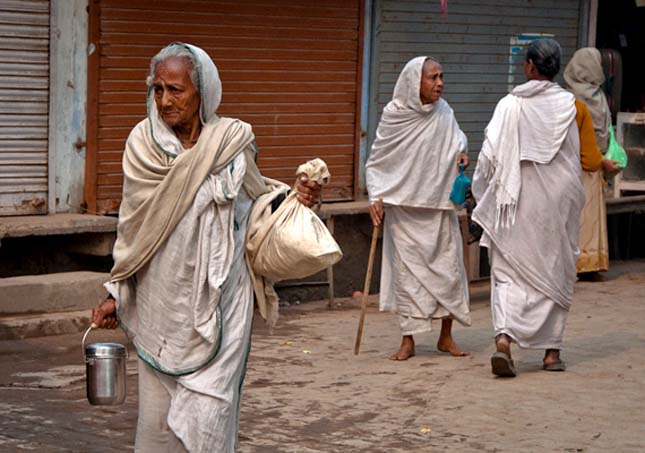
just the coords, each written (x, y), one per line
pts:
(533, 253)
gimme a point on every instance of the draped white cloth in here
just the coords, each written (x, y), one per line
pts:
(183, 290)
(527, 316)
(170, 308)
(541, 246)
(412, 166)
(413, 159)
(190, 311)
(549, 109)
(200, 411)
(422, 271)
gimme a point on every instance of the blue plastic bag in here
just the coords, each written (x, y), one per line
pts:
(460, 187)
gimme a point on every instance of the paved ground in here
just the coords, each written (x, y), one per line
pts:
(306, 391)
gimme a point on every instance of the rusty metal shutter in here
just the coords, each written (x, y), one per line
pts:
(479, 44)
(24, 106)
(291, 71)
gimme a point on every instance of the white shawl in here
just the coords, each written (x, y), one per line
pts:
(161, 180)
(548, 111)
(177, 226)
(413, 161)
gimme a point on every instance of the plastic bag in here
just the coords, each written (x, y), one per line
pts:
(615, 151)
(294, 242)
(460, 187)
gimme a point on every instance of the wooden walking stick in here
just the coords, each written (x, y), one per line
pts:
(366, 288)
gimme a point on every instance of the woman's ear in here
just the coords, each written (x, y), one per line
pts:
(529, 69)
(532, 68)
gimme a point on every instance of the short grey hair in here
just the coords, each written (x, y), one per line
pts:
(174, 50)
(546, 55)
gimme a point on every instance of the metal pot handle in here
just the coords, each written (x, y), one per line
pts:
(87, 332)
(92, 326)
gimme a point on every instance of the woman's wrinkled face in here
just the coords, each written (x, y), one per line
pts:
(431, 82)
(175, 94)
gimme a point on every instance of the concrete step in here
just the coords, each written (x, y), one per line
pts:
(51, 293)
(50, 304)
(19, 327)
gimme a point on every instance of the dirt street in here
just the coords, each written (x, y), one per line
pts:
(306, 392)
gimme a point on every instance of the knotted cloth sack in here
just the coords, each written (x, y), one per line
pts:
(294, 242)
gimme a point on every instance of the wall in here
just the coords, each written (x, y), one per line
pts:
(479, 43)
(67, 107)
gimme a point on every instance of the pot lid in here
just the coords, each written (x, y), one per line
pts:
(105, 350)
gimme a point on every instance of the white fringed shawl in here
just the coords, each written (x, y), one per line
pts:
(547, 110)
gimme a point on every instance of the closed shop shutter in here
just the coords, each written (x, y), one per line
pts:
(24, 101)
(479, 44)
(289, 70)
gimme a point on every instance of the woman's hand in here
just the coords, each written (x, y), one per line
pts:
(610, 166)
(376, 212)
(104, 315)
(308, 192)
(464, 160)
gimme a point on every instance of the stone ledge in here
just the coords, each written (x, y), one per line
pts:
(30, 326)
(49, 293)
(625, 204)
(44, 225)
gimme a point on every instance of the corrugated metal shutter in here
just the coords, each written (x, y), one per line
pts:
(24, 104)
(289, 70)
(479, 44)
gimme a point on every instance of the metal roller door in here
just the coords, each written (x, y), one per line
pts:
(479, 43)
(289, 70)
(24, 106)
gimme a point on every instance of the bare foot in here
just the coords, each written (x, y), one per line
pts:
(446, 343)
(406, 350)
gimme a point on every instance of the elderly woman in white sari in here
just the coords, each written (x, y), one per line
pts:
(584, 77)
(529, 192)
(180, 286)
(412, 165)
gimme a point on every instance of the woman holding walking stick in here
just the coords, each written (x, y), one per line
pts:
(412, 165)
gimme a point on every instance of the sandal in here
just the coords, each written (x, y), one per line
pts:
(502, 365)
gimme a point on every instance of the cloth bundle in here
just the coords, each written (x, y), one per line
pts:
(294, 242)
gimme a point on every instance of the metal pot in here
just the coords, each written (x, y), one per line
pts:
(104, 372)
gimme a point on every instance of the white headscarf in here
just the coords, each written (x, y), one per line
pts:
(584, 77)
(210, 93)
(413, 161)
